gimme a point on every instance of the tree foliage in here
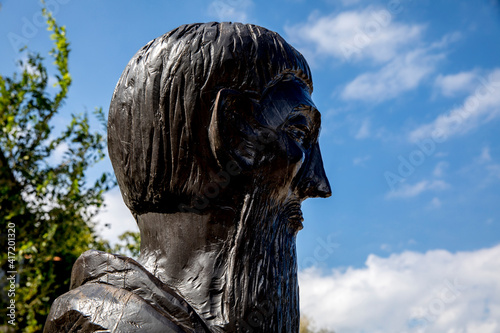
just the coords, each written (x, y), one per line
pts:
(44, 188)
(130, 244)
(307, 326)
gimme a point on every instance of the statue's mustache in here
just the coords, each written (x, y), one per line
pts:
(293, 213)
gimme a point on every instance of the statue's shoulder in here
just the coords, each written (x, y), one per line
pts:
(113, 293)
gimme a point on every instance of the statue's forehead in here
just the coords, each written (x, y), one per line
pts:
(286, 98)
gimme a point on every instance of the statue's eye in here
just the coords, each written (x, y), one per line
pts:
(300, 133)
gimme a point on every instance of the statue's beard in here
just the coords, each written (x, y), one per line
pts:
(261, 294)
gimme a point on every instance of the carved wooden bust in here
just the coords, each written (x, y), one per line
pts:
(213, 137)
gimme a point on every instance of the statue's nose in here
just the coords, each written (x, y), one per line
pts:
(313, 182)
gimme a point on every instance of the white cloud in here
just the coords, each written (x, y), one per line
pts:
(361, 160)
(492, 169)
(483, 170)
(451, 85)
(373, 34)
(364, 130)
(355, 35)
(57, 155)
(441, 154)
(446, 40)
(386, 247)
(479, 107)
(433, 292)
(409, 191)
(435, 203)
(485, 155)
(230, 10)
(402, 74)
(115, 218)
(439, 169)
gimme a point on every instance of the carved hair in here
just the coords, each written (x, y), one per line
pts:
(162, 105)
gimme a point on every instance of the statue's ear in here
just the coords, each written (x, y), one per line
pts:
(233, 131)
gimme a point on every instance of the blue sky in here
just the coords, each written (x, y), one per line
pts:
(410, 99)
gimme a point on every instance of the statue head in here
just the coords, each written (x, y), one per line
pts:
(213, 137)
(167, 145)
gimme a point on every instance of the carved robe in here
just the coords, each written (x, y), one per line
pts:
(113, 293)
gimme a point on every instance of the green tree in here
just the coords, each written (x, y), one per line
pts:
(307, 326)
(47, 199)
(130, 244)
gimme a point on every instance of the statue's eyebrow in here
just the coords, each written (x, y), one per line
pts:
(312, 115)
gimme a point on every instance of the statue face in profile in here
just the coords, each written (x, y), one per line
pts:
(213, 137)
(296, 164)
